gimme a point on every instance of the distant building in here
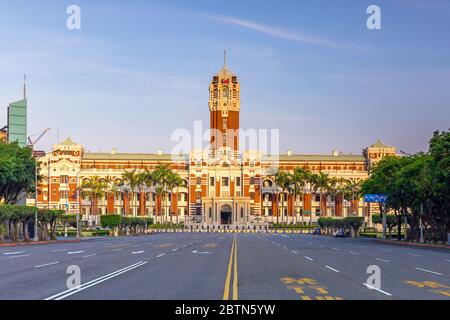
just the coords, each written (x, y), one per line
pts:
(3, 135)
(17, 122)
(221, 187)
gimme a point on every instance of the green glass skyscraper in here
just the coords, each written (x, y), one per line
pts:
(17, 122)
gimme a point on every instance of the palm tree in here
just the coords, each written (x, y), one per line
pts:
(135, 181)
(352, 190)
(159, 178)
(159, 194)
(300, 178)
(282, 183)
(94, 189)
(320, 183)
(173, 183)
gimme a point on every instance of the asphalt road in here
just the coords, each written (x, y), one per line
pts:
(201, 266)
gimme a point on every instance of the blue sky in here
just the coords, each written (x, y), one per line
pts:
(138, 70)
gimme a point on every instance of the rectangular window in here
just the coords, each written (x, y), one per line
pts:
(63, 194)
(225, 182)
(199, 181)
(198, 196)
(212, 181)
(252, 196)
(64, 179)
(238, 181)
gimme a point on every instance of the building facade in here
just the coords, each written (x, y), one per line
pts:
(220, 185)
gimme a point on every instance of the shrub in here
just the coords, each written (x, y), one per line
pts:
(112, 221)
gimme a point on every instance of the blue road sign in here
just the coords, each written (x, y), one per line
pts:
(378, 198)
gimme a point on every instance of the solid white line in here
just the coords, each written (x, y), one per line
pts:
(382, 260)
(161, 255)
(376, 289)
(94, 282)
(354, 253)
(332, 269)
(90, 255)
(60, 250)
(75, 252)
(12, 253)
(294, 251)
(138, 252)
(21, 256)
(429, 271)
(335, 249)
(46, 265)
(310, 259)
(284, 248)
(174, 250)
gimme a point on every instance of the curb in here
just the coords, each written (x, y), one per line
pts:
(23, 244)
(413, 244)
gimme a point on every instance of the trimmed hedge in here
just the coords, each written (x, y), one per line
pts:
(292, 226)
(111, 221)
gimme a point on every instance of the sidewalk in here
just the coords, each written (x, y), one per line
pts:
(32, 243)
(415, 244)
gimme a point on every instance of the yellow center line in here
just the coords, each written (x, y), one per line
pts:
(233, 257)
(235, 276)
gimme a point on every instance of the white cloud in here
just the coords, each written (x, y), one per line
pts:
(278, 32)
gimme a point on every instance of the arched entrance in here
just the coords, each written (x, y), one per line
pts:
(225, 215)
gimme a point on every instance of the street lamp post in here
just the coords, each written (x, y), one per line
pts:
(36, 237)
(421, 225)
(78, 205)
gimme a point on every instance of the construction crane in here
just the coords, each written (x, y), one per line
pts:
(32, 143)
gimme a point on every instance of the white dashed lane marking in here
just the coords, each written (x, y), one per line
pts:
(13, 253)
(46, 265)
(429, 271)
(382, 260)
(332, 269)
(376, 289)
(75, 252)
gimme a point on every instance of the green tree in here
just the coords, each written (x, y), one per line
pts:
(17, 172)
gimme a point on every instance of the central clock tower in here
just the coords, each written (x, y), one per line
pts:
(224, 107)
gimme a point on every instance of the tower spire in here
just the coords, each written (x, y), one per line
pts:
(225, 58)
(24, 86)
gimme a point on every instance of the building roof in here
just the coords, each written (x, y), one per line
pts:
(134, 157)
(225, 73)
(68, 142)
(168, 157)
(380, 145)
(315, 158)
